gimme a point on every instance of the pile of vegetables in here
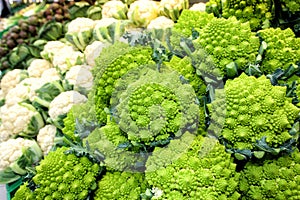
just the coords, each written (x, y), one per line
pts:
(152, 100)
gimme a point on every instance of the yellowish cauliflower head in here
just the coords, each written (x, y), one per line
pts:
(51, 75)
(161, 22)
(141, 12)
(81, 77)
(115, 9)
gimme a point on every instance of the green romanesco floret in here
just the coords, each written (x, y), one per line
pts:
(257, 13)
(188, 20)
(204, 171)
(23, 193)
(114, 62)
(121, 186)
(251, 108)
(272, 179)
(64, 176)
(149, 108)
(185, 68)
(227, 41)
(283, 49)
(154, 107)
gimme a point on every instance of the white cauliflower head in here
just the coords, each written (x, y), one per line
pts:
(11, 79)
(104, 22)
(67, 58)
(141, 12)
(92, 51)
(12, 149)
(51, 48)
(161, 22)
(51, 75)
(37, 67)
(20, 119)
(45, 138)
(115, 9)
(63, 103)
(198, 7)
(81, 77)
(80, 24)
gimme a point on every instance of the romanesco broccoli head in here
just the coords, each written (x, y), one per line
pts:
(154, 107)
(290, 6)
(272, 179)
(64, 176)
(257, 13)
(114, 62)
(282, 49)
(23, 192)
(120, 185)
(204, 171)
(252, 109)
(226, 41)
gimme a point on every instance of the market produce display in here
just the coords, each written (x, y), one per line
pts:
(151, 100)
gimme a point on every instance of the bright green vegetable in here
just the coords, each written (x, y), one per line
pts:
(17, 158)
(187, 21)
(23, 193)
(250, 109)
(273, 179)
(120, 185)
(204, 171)
(114, 62)
(282, 49)
(227, 41)
(64, 176)
(291, 6)
(257, 13)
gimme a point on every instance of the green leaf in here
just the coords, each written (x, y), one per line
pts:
(8, 176)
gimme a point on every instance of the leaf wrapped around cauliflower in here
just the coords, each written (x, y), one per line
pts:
(17, 155)
(114, 9)
(109, 30)
(114, 62)
(172, 9)
(254, 115)
(204, 171)
(80, 32)
(20, 120)
(282, 49)
(227, 41)
(120, 185)
(71, 177)
(272, 179)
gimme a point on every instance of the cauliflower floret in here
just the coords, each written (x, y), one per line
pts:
(11, 150)
(198, 7)
(80, 24)
(20, 119)
(92, 51)
(173, 8)
(81, 77)
(11, 79)
(104, 22)
(51, 75)
(51, 48)
(45, 138)
(141, 12)
(115, 9)
(63, 103)
(66, 59)
(37, 67)
(161, 22)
